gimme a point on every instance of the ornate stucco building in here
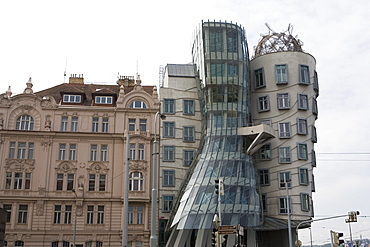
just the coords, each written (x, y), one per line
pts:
(63, 157)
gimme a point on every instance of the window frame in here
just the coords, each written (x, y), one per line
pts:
(305, 199)
(303, 176)
(302, 151)
(282, 153)
(281, 179)
(303, 102)
(263, 103)
(264, 177)
(188, 107)
(103, 100)
(169, 152)
(279, 74)
(304, 74)
(168, 178)
(283, 101)
(169, 106)
(285, 130)
(259, 78)
(186, 154)
(188, 134)
(167, 203)
(72, 98)
(283, 205)
(262, 152)
(25, 122)
(136, 105)
(168, 130)
(136, 181)
(302, 128)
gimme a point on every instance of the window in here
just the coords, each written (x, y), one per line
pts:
(168, 153)
(57, 214)
(283, 205)
(30, 150)
(67, 98)
(19, 243)
(72, 151)
(305, 202)
(215, 40)
(131, 124)
(74, 124)
(11, 150)
(303, 176)
(232, 41)
(283, 101)
(90, 214)
(313, 158)
(285, 179)
(136, 214)
(168, 129)
(136, 181)
(64, 124)
(103, 152)
(168, 178)
(101, 183)
(188, 134)
(138, 104)
(20, 180)
(100, 218)
(22, 213)
(169, 106)
(302, 102)
(259, 78)
(141, 151)
(167, 203)
(93, 152)
(302, 126)
(281, 74)
(232, 70)
(264, 202)
(62, 151)
(68, 214)
(142, 125)
(218, 121)
(263, 103)
(133, 151)
(217, 69)
(284, 130)
(24, 122)
(95, 124)
(99, 244)
(8, 208)
(105, 125)
(21, 150)
(103, 99)
(284, 155)
(264, 176)
(218, 92)
(265, 152)
(64, 179)
(314, 107)
(316, 83)
(139, 214)
(188, 156)
(188, 106)
(313, 134)
(304, 74)
(266, 121)
(302, 151)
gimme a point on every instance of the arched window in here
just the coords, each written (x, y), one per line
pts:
(24, 122)
(136, 181)
(138, 104)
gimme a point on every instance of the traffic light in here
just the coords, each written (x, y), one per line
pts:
(352, 216)
(335, 238)
(214, 238)
(219, 185)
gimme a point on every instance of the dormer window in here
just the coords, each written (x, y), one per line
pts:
(69, 98)
(137, 104)
(103, 99)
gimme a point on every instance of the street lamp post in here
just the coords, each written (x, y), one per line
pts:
(153, 234)
(74, 223)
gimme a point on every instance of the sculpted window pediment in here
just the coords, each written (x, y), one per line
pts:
(99, 168)
(19, 165)
(138, 165)
(65, 167)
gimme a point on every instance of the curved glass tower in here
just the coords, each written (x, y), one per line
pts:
(220, 56)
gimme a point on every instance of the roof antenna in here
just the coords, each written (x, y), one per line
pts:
(65, 72)
(137, 69)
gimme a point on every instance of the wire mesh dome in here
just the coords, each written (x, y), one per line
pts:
(277, 42)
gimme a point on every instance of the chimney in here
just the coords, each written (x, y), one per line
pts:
(77, 79)
(126, 81)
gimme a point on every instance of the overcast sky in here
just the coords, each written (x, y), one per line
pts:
(99, 39)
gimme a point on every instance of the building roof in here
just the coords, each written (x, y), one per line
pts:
(87, 90)
(181, 70)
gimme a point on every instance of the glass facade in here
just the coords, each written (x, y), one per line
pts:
(219, 46)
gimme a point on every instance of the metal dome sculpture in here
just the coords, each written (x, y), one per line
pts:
(277, 42)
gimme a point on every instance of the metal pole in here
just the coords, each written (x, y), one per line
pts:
(310, 236)
(125, 195)
(75, 220)
(350, 230)
(219, 211)
(153, 233)
(288, 208)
